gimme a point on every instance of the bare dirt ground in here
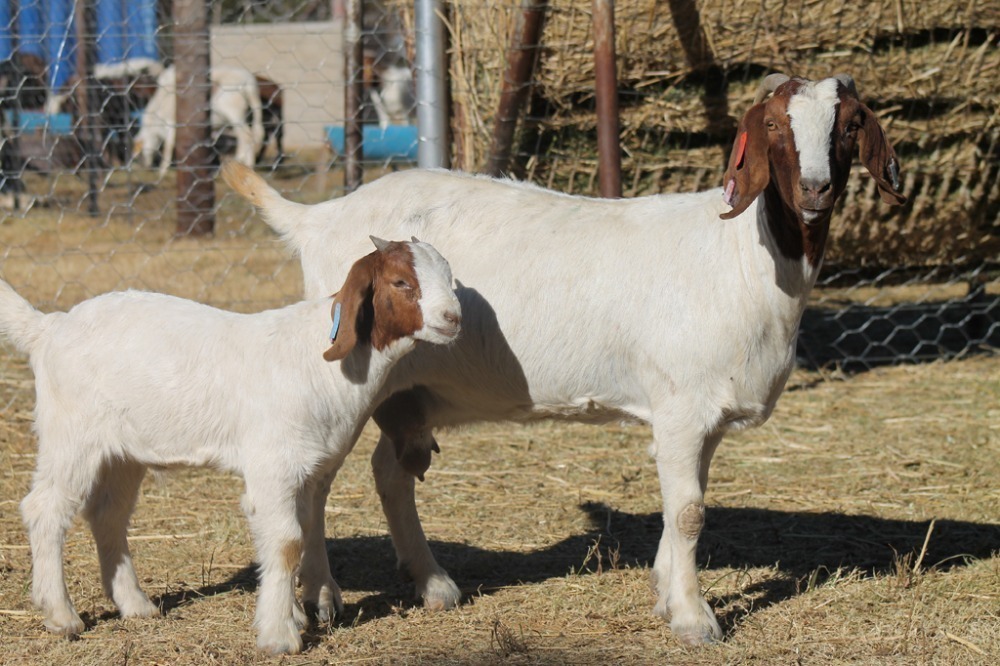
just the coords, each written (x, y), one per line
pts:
(861, 525)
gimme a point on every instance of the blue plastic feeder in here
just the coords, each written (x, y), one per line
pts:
(30, 121)
(394, 142)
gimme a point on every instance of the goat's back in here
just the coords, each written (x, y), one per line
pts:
(571, 306)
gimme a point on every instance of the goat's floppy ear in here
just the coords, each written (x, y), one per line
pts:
(879, 158)
(748, 172)
(349, 317)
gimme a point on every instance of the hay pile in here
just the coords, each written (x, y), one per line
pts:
(930, 70)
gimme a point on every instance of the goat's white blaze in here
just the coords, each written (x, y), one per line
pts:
(812, 111)
(437, 296)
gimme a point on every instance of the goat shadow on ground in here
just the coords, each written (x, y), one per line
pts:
(806, 548)
(857, 338)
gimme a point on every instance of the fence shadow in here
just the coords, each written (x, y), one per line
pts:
(804, 546)
(859, 337)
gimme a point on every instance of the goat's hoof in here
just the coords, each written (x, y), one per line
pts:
(65, 624)
(284, 640)
(702, 629)
(144, 608)
(328, 604)
(440, 593)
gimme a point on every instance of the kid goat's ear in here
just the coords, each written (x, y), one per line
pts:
(350, 321)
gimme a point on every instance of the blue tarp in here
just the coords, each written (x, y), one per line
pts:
(125, 33)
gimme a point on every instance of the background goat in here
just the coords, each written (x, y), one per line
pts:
(235, 97)
(131, 380)
(597, 310)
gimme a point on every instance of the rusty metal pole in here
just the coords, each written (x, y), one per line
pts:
(608, 149)
(354, 76)
(522, 57)
(195, 179)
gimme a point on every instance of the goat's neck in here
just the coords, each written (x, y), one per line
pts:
(363, 370)
(796, 247)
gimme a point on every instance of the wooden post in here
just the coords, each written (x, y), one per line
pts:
(86, 131)
(608, 148)
(354, 76)
(522, 57)
(195, 178)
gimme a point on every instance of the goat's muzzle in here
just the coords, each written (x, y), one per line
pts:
(816, 196)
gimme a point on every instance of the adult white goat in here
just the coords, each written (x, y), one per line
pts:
(594, 310)
(131, 380)
(235, 96)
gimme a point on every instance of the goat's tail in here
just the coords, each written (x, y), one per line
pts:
(281, 214)
(20, 322)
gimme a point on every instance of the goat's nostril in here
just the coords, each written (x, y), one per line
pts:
(453, 318)
(815, 187)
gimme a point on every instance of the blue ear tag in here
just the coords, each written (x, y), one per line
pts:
(336, 322)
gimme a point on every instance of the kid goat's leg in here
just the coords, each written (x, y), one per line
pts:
(108, 510)
(319, 589)
(271, 507)
(63, 480)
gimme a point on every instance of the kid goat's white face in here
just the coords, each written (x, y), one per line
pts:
(442, 313)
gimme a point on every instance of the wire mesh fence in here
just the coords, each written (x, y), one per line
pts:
(90, 187)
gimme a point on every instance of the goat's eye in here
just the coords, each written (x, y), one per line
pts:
(401, 284)
(771, 126)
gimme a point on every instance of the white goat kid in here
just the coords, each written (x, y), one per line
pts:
(131, 380)
(595, 310)
(235, 95)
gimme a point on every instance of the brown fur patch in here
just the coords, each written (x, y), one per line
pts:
(291, 555)
(691, 519)
(380, 301)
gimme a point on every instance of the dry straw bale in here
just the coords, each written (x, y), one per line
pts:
(930, 70)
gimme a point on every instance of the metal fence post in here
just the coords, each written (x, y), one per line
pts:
(432, 110)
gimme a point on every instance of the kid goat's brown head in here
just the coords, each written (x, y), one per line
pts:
(801, 141)
(401, 290)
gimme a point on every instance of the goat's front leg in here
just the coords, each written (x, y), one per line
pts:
(396, 491)
(682, 457)
(271, 507)
(169, 141)
(319, 589)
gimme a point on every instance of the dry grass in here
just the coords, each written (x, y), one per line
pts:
(819, 548)
(814, 551)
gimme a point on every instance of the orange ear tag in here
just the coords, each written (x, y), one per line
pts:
(741, 150)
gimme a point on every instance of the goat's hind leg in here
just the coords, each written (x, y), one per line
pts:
(396, 491)
(63, 480)
(108, 511)
(319, 589)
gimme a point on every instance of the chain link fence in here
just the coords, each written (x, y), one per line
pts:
(90, 205)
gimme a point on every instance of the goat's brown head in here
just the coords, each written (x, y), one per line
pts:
(801, 141)
(401, 290)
